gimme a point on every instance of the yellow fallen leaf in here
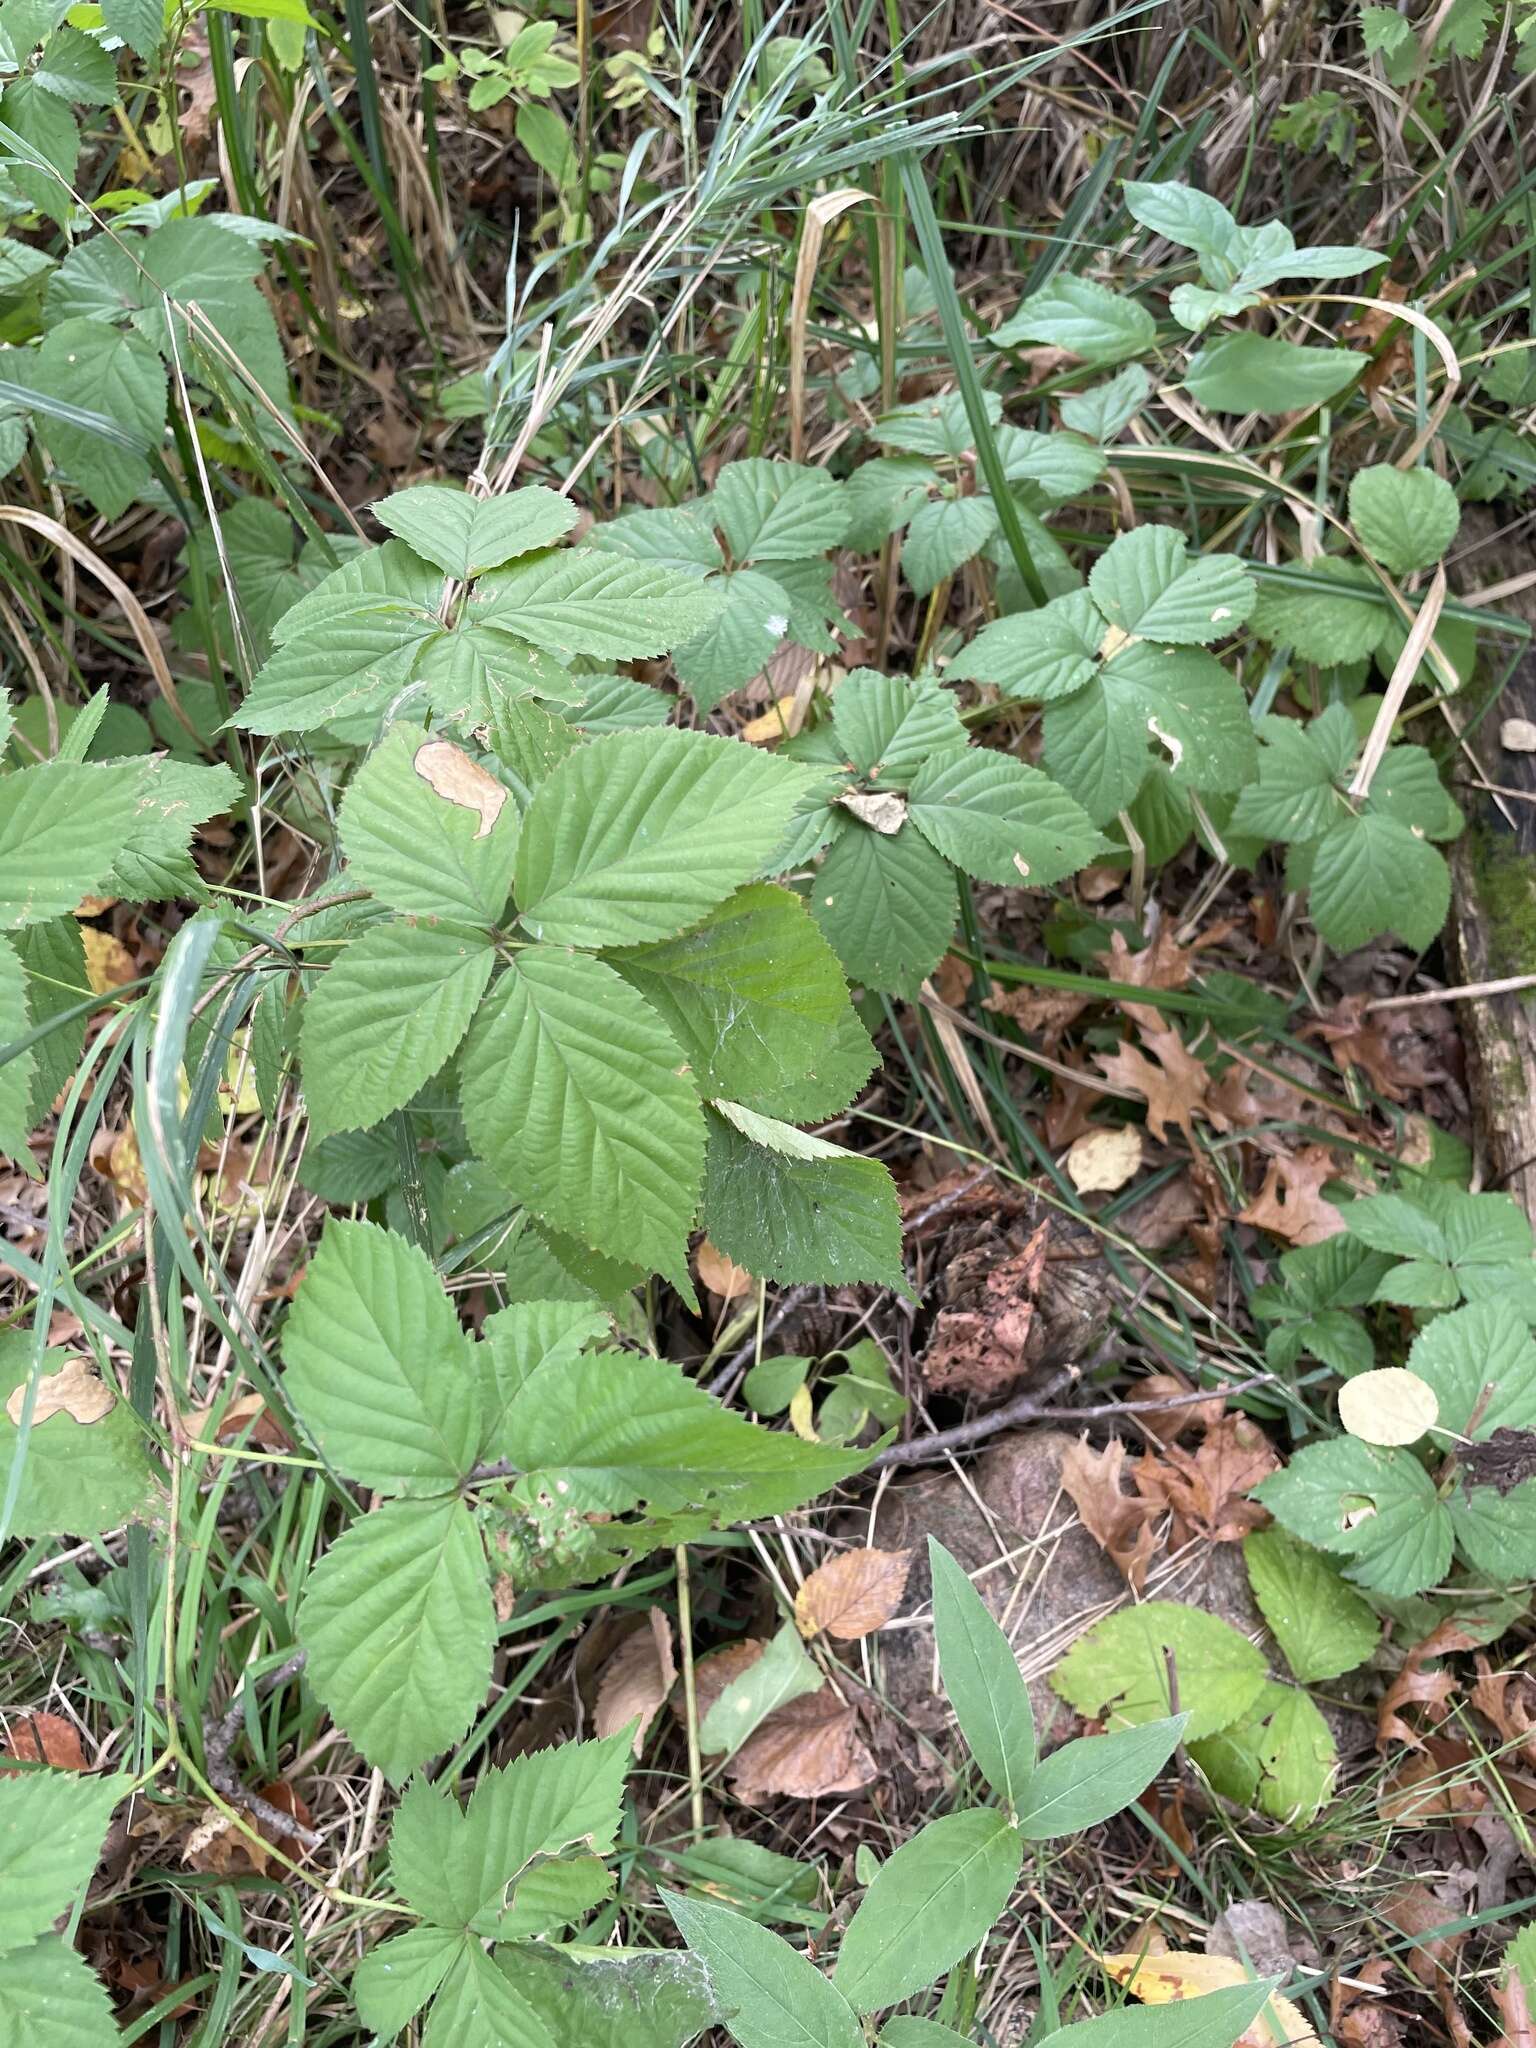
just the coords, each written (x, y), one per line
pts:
(108, 962)
(449, 771)
(852, 1594)
(1101, 1161)
(1163, 1980)
(719, 1274)
(1389, 1406)
(75, 1389)
(772, 724)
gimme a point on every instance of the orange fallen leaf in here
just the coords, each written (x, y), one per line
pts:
(43, 1739)
(1163, 1980)
(1176, 1088)
(853, 1594)
(1290, 1203)
(637, 1681)
(719, 1274)
(1119, 1522)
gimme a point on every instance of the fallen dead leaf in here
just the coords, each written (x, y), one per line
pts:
(852, 1594)
(979, 1338)
(1358, 2019)
(1119, 1522)
(885, 813)
(1384, 1046)
(636, 1683)
(1207, 1489)
(807, 1749)
(1102, 1160)
(1176, 1089)
(449, 771)
(43, 1739)
(247, 1408)
(719, 1275)
(1414, 1686)
(1165, 1979)
(1039, 1013)
(778, 722)
(952, 980)
(1290, 1203)
(74, 1389)
(108, 962)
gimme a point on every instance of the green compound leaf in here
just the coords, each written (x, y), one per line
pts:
(1496, 1532)
(943, 535)
(1370, 874)
(928, 1905)
(768, 1995)
(172, 798)
(517, 1341)
(464, 536)
(1086, 1781)
(62, 824)
(999, 819)
(754, 995)
(584, 601)
(754, 619)
(1278, 1756)
(397, 1622)
(140, 23)
(1037, 656)
(18, 1074)
(1481, 1362)
(777, 511)
(1181, 213)
(352, 658)
(888, 905)
(1378, 1508)
(1119, 1670)
(1147, 584)
(887, 726)
(1319, 619)
(1322, 1625)
(77, 1478)
(478, 2007)
(51, 1829)
(394, 1980)
(1074, 313)
(377, 1365)
(386, 1017)
(574, 1093)
(1406, 518)
(51, 1998)
(1060, 465)
(418, 851)
(981, 1676)
(1104, 411)
(1296, 796)
(639, 835)
(796, 1219)
(1258, 373)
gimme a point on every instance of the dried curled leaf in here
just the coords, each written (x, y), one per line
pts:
(853, 1594)
(637, 1681)
(1102, 1160)
(449, 771)
(75, 1389)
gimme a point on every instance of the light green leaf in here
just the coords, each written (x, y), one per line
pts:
(583, 601)
(882, 494)
(677, 536)
(1481, 1362)
(1377, 1507)
(46, 126)
(617, 704)
(140, 23)
(394, 1980)
(573, 1092)
(1000, 819)
(417, 851)
(909, 2033)
(171, 800)
(377, 1365)
(1119, 1670)
(1180, 213)
(199, 262)
(1216, 2019)
(769, 1996)
(1322, 1625)
(1406, 518)
(1059, 465)
(77, 1478)
(74, 66)
(516, 1341)
(1316, 260)
(797, 1219)
(352, 658)
(1075, 313)
(982, 1678)
(386, 1017)
(887, 904)
(639, 835)
(18, 1074)
(1278, 1756)
(782, 1673)
(1037, 656)
(397, 1623)
(1147, 584)
(1296, 796)
(62, 824)
(939, 425)
(930, 1904)
(837, 1074)
(1086, 1781)
(464, 536)
(51, 1998)
(479, 2008)
(1372, 874)
(1259, 373)
(755, 615)
(636, 1998)
(887, 726)
(51, 1829)
(777, 511)
(1104, 411)
(944, 534)
(753, 994)
(1319, 620)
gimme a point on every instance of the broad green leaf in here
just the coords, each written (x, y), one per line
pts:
(930, 1904)
(1216, 2019)
(887, 726)
(1149, 586)
(982, 1679)
(1320, 620)
(74, 66)
(1105, 410)
(385, 1017)
(391, 573)
(782, 1673)
(573, 1091)
(1037, 656)
(1481, 1362)
(457, 1866)
(1000, 819)
(17, 1075)
(582, 601)
(1406, 518)
(639, 835)
(352, 1166)
(478, 2007)
(622, 1430)
(777, 511)
(54, 958)
(678, 536)
(1316, 260)
(942, 536)
(377, 1365)
(754, 618)
(1379, 1508)
(1086, 1781)
(62, 824)
(1277, 1756)
(397, 1623)
(117, 375)
(353, 657)
(882, 494)
(140, 23)
(1258, 373)
(171, 800)
(617, 704)
(46, 125)
(1183, 214)
(1296, 796)
(394, 1980)
(1059, 465)
(887, 904)
(464, 536)
(51, 1829)
(837, 1073)
(51, 1998)
(417, 850)
(77, 1478)
(940, 425)
(1119, 1670)
(636, 1998)
(1322, 1625)
(769, 1996)
(1407, 787)
(801, 1219)
(753, 994)
(1372, 874)
(199, 262)
(516, 1341)
(1075, 313)
(1496, 1531)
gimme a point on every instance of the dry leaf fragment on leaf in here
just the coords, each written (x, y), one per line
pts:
(74, 1389)
(637, 1681)
(449, 771)
(719, 1275)
(853, 1594)
(1290, 1203)
(1102, 1160)
(885, 813)
(1163, 1980)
